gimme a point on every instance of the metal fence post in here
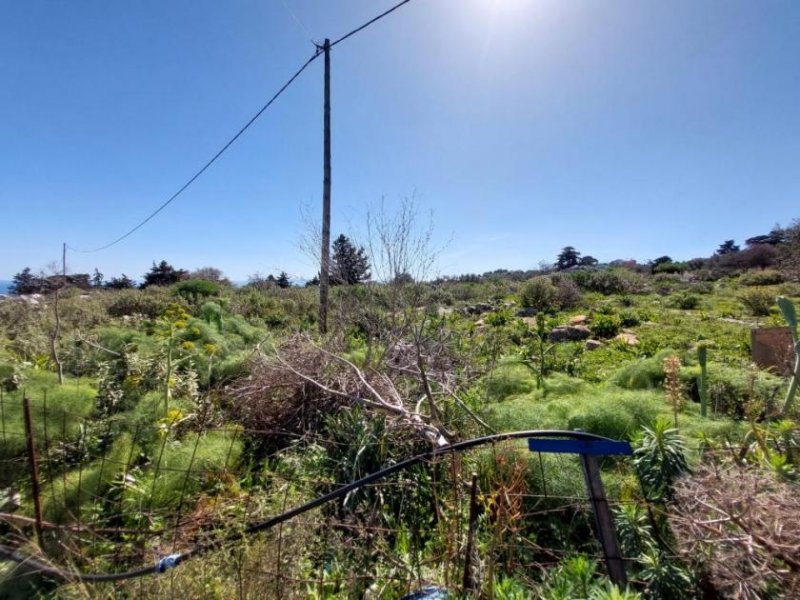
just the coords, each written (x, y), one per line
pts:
(603, 520)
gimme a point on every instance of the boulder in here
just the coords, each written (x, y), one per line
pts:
(526, 312)
(569, 333)
(578, 320)
(477, 309)
(594, 344)
(628, 338)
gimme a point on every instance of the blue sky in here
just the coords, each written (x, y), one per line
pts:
(632, 128)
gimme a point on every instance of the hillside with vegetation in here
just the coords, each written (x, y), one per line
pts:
(177, 415)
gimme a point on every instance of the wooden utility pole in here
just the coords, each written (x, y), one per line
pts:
(324, 269)
(57, 313)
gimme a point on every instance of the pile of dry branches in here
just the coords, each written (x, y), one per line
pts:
(742, 527)
(290, 388)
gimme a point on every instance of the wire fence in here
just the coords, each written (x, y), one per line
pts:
(101, 510)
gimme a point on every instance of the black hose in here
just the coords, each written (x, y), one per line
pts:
(172, 560)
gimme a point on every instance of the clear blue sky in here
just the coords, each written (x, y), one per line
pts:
(631, 128)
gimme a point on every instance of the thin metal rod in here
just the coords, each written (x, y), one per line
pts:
(468, 583)
(34, 463)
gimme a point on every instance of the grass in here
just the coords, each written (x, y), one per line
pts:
(58, 419)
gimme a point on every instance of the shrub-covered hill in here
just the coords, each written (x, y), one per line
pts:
(188, 412)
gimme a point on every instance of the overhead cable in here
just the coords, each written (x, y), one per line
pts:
(208, 163)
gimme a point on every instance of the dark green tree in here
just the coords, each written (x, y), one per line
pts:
(587, 261)
(163, 273)
(727, 247)
(120, 283)
(26, 282)
(568, 258)
(97, 279)
(283, 280)
(349, 264)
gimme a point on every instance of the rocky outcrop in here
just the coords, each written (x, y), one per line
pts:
(569, 333)
(593, 345)
(628, 338)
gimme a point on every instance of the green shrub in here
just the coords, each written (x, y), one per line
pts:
(685, 301)
(68, 406)
(83, 490)
(509, 380)
(731, 389)
(758, 301)
(614, 281)
(195, 290)
(660, 458)
(568, 294)
(629, 319)
(10, 377)
(762, 277)
(150, 303)
(671, 267)
(605, 326)
(702, 287)
(540, 294)
(205, 454)
(617, 416)
(643, 374)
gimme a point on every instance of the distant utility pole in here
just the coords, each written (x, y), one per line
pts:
(57, 331)
(324, 270)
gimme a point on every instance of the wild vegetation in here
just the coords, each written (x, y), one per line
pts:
(191, 410)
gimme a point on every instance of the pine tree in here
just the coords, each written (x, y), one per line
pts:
(568, 258)
(349, 264)
(727, 247)
(26, 282)
(163, 274)
(283, 280)
(120, 283)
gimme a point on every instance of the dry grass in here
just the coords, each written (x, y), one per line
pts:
(741, 526)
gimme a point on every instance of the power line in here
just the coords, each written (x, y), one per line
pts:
(209, 163)
(370, 22)
(296, 19)
(252, 120)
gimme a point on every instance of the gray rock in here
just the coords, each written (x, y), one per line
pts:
(443, 311)
(477, 309)
(628, 338)
(593, 345)
(569, 333)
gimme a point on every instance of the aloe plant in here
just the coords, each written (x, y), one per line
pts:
(702, 356)
(790, 314)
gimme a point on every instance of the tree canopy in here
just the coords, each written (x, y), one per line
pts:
(349, 265)
(283, 280)
(727, 247)
(567, 258)
(163, 273)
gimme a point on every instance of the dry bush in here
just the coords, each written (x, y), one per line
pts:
(741, 527)
(289, 391)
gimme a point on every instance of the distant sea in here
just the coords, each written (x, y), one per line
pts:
(5, 286)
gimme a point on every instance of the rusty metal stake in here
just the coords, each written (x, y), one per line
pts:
(603, 520)
(34, 462)
(469, 584)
